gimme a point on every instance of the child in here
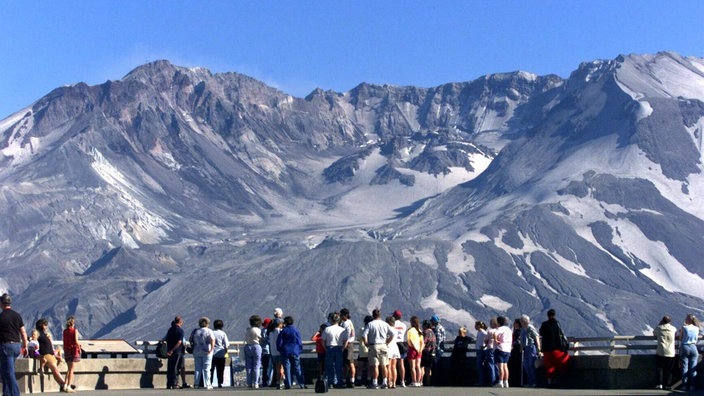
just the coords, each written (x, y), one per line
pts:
(33, 349)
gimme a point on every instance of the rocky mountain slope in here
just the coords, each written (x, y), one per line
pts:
(179, 191)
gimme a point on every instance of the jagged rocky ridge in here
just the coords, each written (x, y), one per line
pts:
(178, 191)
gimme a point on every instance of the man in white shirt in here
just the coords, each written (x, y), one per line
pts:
(335, 340)
(377, 335)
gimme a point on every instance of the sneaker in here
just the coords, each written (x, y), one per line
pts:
(658, 386)
(209, 387)
(383, 386)
(186, 386)
(373, 386)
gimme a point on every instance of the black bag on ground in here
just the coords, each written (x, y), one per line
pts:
(162, 351)
(321, 385)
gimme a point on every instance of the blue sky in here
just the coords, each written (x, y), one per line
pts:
(297, 46)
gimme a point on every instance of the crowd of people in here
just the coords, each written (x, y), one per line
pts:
(39, 345)
(385, 352)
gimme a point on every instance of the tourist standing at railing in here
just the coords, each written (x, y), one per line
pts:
(688, 335)
(515, 361)
(440, 336)
(665, 334)
(414, 335)
(320, 349)
(335, 339)
(277, 380)
(203, 345)
(394, 356)
(503, 337)
(430, 350)
(290, 345)
(46, 354)
(490, 350)
(348, 358)
(402, 345)
(253, 351)
(458, 358)
(362, 370)
(267, 364)
(222, 343)
(13, 338)
(530, 344)
(174, 344)
(482, 354)
(72, 349)
(377, 335)
(554, 347)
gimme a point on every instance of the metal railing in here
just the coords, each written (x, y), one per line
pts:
(608, 345)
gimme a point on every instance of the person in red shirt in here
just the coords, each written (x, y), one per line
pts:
(72, 349)
(320, 349)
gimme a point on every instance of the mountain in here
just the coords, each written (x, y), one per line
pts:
(178, 191)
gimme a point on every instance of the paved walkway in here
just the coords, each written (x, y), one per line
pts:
(426, 391)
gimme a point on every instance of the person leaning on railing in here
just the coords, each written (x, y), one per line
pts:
(554, 347)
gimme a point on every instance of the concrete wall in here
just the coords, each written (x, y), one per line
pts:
(585, 372)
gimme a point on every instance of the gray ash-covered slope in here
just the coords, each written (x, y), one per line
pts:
(178, 191)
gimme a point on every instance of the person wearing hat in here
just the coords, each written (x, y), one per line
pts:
(439, 331)
(13, 338)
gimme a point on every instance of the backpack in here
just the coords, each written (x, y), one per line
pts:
(321, 385)
(162, 351)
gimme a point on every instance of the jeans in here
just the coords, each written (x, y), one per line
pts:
(267, 369)
(8, 355)
(173, 363)
(530, 355)
(296, 361)
(252, 363)
(333, 365)
(689, 357)
(491, 366)
(202, 369)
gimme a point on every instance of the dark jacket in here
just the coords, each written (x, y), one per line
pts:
(550, 333)
(289, 342)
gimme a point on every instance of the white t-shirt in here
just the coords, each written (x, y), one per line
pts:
(400, 328)
(504, 338)
(334, 335)
(351, 335)
(377, 331)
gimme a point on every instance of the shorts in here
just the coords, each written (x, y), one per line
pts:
(47, 359)
(412, 353)
(348, 355)
(378, 355)
(502, 357)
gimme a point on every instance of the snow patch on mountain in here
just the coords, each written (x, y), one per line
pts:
(459, 262)
(146, 226)
(494, 302)
(425, 256)
(664, 269)
(446, 311)
(662, 75)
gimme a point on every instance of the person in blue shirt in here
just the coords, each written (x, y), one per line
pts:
(290, 344)
(689, 334)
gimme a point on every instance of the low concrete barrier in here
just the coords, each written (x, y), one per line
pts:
(585, 372)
